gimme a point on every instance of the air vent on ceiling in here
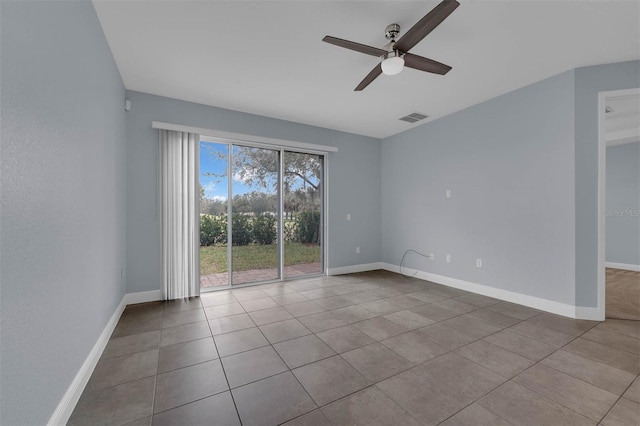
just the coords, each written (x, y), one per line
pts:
(412, 118)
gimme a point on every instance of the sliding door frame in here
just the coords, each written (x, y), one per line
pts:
(229, 215)
(281, 149)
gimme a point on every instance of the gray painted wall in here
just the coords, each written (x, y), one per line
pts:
(354, 181)
(62, 199)
(524, 194)
(589, 82)
(509, 163)
(623, 204)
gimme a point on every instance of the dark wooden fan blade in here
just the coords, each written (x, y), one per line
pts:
(369, 78)
(362, 48)
(427, 24)
(425, 64)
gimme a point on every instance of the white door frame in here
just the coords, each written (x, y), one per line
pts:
(602, 185)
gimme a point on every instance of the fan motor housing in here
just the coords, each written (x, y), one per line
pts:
(391, 31)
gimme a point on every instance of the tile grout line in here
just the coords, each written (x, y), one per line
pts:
(155, 378)
(163, 305)
(561, 372)
(619, 398)
(318, 406)
(521, 372)
(413, 366)
(613, 332)
(376, 341)
(377, 315)
(269, 344)
(540, 362)
(477, 340)
(224, 371)
(289, 370)
(191, 365)
(311, 332)
(292, 373)
(511, 379)
(585, 357)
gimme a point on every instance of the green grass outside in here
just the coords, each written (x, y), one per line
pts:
(213, 259)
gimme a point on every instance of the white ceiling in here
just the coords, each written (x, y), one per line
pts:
(267, 57)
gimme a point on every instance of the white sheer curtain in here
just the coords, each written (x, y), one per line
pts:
(179, 153)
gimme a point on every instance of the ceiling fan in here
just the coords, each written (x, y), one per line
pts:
(395, 54)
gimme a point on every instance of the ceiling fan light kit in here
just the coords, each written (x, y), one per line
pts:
(395, 55)
(392, 63)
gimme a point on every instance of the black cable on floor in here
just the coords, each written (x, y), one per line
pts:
(402, 261)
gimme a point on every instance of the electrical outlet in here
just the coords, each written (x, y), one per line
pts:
(431, 256)
(358, 249)
(348, 217)
(448, 193)
(478, 263)
(448, 258)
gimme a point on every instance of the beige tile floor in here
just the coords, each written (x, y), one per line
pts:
(370, 349)
(622, 294)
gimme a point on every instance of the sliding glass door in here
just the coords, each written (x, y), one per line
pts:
(262, 214)
(303, 214)
(255, 210)
(214, 196)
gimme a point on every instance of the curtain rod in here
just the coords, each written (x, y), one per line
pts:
(242, 137)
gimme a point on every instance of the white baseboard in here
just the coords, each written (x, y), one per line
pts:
(625, 266)
(587, 313)
(352, 269)
(142, 297)
(546, 305)
(70, 398)
(72, 395)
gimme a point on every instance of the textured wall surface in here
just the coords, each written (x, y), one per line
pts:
(62, 199)
(78, 196)
(353, 181)
(509, 165)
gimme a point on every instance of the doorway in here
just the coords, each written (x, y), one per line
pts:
(261, 214)
(619, 205)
